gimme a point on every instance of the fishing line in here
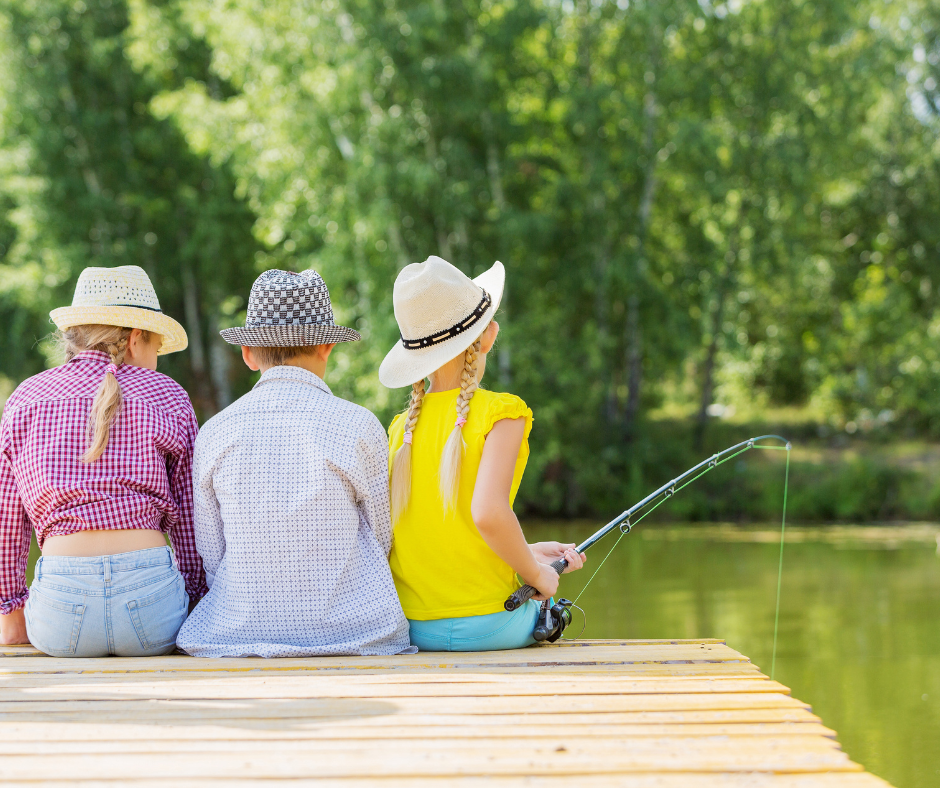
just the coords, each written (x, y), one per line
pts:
(583, 623)
(783, 528)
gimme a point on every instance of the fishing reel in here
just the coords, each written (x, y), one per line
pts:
(552, 621)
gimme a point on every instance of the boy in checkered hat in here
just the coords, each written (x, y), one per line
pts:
(291, 497)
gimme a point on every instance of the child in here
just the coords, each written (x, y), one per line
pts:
(459, 454)
(96, 455)
(291, 494)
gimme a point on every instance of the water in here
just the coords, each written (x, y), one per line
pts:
(859, 631)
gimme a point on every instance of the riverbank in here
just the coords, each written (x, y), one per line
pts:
(834, 477)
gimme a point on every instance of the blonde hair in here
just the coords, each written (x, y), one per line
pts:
(108, 400)
(401, 465)
(452, 456)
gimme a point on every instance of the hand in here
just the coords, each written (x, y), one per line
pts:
(549, 552)
(13, 629)
(546, 583)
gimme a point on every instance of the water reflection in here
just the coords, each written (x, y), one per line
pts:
(859, 622)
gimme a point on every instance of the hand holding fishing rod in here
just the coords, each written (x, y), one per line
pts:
(639, 510)
(522, 595)
(552, 559)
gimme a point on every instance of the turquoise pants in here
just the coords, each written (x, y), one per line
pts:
(492, 632)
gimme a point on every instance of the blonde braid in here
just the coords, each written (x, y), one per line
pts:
(401, 465)
(452, 457)
(108, 399)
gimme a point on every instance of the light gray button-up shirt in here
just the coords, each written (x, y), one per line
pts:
(292, 523)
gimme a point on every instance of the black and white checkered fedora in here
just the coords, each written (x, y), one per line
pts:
(286, 309)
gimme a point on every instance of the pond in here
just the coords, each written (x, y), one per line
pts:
(859, 634)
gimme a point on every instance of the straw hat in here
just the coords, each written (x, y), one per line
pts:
(440, 312)
(124, 297)
(287, 309)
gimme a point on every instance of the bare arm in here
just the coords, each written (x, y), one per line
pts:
(493, 515)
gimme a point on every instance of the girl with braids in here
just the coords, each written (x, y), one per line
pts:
(457, 458)
(96, 457)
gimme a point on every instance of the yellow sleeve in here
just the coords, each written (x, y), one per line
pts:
(507, 406)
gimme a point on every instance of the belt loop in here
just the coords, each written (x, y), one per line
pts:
(107, 568)
(37, 574)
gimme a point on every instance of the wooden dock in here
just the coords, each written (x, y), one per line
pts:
(590, 714)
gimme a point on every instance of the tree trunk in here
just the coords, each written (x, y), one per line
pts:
(708, 368)
(708, 383)
(634, 366)
(197, 353)
(220, 365)
(634, 331)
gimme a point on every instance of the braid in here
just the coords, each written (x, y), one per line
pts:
(401, 465)
(452, 456)
(117, 350)
(414, 406)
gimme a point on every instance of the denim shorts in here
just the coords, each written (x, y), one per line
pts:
(491, 632)
(127, 605)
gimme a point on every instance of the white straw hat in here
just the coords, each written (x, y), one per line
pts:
(124, 297)
(440, 312)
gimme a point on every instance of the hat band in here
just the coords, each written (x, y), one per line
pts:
(448, 333)
(137, 306)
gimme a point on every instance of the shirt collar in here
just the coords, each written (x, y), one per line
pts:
(97, 356)
(293, 373)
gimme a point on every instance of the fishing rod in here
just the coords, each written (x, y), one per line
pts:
(552, 621)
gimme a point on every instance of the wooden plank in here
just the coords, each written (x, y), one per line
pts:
(558, 741)
(651, 670)
(382, 678)
(363, 761)
(280, 719)
(637, 780)
(419, 728)
(22, 650)
(250, 687)
(370, 707)
(534, 657)
(296, 717)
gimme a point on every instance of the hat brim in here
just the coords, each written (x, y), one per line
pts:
(289, 336)
(402, 367)
(174, 335)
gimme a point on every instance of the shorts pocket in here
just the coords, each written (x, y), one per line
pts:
(53, 625)
(157, 617)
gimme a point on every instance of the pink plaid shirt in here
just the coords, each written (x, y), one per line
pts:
(143, 479)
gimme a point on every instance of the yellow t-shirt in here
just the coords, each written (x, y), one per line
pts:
(441, 565)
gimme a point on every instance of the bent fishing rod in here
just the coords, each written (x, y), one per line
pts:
(642, 508)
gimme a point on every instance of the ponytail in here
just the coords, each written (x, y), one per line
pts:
(108, 399)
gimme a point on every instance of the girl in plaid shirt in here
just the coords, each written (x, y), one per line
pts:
(96, 457)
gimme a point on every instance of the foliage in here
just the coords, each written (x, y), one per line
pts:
(697, 203)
